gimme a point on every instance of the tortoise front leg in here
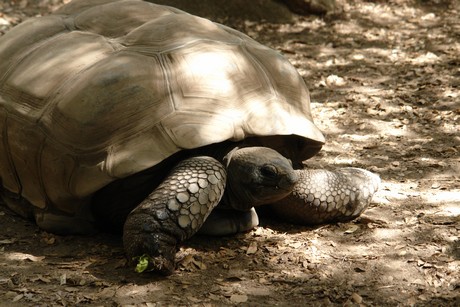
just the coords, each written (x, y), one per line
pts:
(323, 196)
(173, 212)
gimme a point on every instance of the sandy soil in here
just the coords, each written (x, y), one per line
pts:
(384, 77)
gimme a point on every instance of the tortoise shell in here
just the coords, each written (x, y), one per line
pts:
(101, 90)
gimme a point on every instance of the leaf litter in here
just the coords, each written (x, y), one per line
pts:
(385, 90)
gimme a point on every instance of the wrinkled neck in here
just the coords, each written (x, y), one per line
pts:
(235, 198)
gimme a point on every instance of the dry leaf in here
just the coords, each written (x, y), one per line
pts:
(334, 80)
(41, 278)
(296, 244)
(18, 297)
(252, 248)
(352, 229)
(63, 279)
(71, 289)
(356, 298)
(50, 240)
(199, 264)
(239, 298)
(7, 241)
(21, 256)
(189, 263)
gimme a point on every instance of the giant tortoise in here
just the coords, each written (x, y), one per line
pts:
(136, 117)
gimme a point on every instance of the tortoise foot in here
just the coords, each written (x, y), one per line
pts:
(228, 222)
(323, 196)
(172, 213)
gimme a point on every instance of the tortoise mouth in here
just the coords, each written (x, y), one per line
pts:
(282, 182)
(289, 181)
(267, 194)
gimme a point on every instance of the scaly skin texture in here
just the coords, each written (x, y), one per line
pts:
(323, 196)
(255, 176)
(174, 212)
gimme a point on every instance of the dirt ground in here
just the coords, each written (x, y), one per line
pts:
(385, 84)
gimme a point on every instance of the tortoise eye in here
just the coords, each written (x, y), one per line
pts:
(269, 171)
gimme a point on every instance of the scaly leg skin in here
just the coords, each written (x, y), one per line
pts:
(173, 212)
(323, 196)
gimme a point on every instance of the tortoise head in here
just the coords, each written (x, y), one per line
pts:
(257, 176)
